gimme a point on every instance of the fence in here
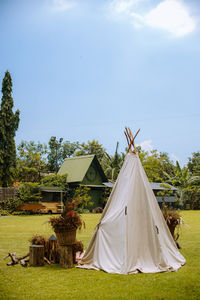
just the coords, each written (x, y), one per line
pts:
(5, 194)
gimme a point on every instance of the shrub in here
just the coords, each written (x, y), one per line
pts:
(81, 198)
(12, 204)
(29, 192)
(4, 212)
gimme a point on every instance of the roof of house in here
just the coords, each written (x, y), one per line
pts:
(154, 186)
(77, 167)
(162, 186)
(50, 189)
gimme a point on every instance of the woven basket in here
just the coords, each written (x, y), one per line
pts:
(66, 237)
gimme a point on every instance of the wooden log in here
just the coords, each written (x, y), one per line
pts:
(36, 258)
(66, 256)
(15, 260)
(22, 257)
(23, 263)
(47, 261)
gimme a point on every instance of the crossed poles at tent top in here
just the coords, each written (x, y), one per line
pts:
(130, 139)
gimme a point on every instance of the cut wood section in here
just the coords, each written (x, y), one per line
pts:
(36, 258)
(66, 256)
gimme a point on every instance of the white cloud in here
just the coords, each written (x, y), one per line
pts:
(170, 15)
(123, 6)
(173, 16)
(146, 145)
(174, 157)
(61, 5)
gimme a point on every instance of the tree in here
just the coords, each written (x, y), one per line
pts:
(55, 155)
(12, 204)
(31, 161)
(188, 191)
(82, 198)
(29, 192)
(194, 164)
(92, 147)
(59, 181)
(9, 123)
(68, 149)
(193, 192)
(112, 164)
(56, 180)
(156, 165)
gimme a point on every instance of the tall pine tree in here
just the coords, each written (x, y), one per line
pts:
(9, 123)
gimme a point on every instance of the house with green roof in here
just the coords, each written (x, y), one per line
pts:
(85, 170)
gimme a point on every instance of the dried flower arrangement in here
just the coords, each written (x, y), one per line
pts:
(50, 247)
(38, 240)
(69, 220)
(173, 220)
(51, 250)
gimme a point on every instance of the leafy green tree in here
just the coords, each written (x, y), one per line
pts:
(29, 192)
(55, 154)
(57, 181)
(105, 195)
(182, 178)
(156, 165)
(58, 151)
(92, 147)
(186, 184)
(112, 164)
(81, 197)
(12, 204)
(31, 161)
(191, 197)
(167, 192)
(68, 149)
(9, 123)
(194, 163)
(193, 191)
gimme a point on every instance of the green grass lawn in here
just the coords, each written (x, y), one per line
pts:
(53, 282)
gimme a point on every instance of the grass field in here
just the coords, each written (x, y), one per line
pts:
(53, 282)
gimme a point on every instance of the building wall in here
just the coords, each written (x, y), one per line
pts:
(169, 201)
(96, 198)
(92, 176)
(50, 197)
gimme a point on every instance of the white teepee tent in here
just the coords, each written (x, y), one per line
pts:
(132, 235)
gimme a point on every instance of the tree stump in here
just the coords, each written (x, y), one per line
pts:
(36, 258)
(66, 256)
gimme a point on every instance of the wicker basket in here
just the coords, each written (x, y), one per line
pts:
(66, 237)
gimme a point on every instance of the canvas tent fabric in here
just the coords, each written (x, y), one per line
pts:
(132, 235)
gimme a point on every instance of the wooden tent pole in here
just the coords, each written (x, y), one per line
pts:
(136, 133)
(127, 133)
(134, 140)
(130, 139)
(126, 136)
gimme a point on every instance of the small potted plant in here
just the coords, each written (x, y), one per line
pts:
(65, 226)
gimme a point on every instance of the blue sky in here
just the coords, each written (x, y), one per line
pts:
(84, 69)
